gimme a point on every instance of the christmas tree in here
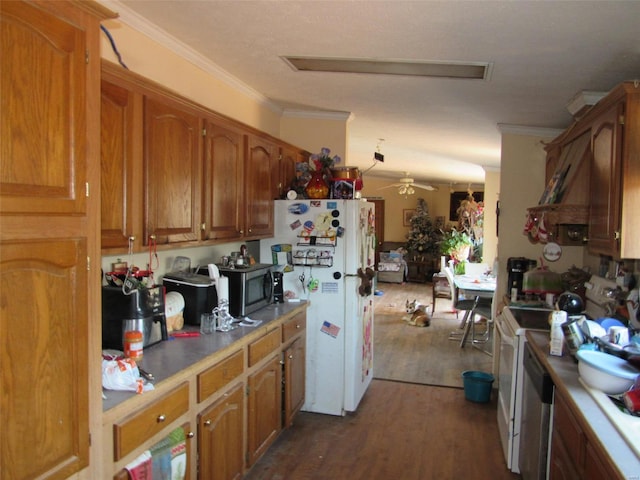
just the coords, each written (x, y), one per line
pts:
(423, 237)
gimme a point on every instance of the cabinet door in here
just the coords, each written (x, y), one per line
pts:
(44, 112)
(43, 358)
(294, 379)
(258, 187)
(286, 171)
(604, 212)
(172, 172)
(220, 437)
(120, 166)
(223, 185)
(265, 404)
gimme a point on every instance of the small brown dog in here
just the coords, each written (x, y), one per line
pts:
(418, 315)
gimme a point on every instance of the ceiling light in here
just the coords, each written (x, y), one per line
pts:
(469, 70)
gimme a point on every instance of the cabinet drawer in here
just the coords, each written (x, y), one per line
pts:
(130, 433)
(220, 374)
(293, 326)
(264, 346)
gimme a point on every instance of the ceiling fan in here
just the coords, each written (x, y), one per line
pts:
(406, 185)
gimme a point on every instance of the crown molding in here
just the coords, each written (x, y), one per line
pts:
(526, 130)
(317, 114)
(157, 34)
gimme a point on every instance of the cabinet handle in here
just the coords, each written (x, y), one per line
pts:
(241, 232)
(281, 362)
(298, 326)
(249, 230)
(161, 418)
(190, 435)
(290, 357)
(207, 422)
(203, 226)
(132, 238)
(616, 235)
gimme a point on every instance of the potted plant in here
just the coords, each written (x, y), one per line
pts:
(457, 245)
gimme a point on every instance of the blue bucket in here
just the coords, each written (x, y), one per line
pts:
(477, 386)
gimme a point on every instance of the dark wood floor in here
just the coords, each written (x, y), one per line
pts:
(401, 431)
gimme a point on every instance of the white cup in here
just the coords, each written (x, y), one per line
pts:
(619, 335)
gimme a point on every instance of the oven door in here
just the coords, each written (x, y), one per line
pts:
(507, 343)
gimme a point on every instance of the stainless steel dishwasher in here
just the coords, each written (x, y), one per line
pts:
(536, 417)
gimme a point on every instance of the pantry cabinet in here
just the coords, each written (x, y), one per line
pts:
(49, 211)
(172, 170)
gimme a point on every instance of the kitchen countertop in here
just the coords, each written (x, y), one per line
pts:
(564, 372)
(170, 358)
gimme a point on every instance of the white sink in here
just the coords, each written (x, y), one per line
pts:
(627, 425)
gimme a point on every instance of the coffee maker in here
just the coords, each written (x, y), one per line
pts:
(516, 267)
(141, 310)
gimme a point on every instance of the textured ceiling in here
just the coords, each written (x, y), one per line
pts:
(438, 129)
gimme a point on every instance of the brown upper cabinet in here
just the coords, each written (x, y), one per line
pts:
(614, 223)
(175, 172)
(602, 187)
(223, 181)
(172, 172)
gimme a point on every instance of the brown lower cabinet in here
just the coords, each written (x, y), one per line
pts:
(220, 434)
(573, 455)
(236, 397)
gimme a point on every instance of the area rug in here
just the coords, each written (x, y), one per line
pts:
(422, 355)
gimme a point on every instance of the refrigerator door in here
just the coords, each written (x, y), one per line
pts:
(359, 344)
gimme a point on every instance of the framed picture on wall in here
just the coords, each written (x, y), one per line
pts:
(406, 216)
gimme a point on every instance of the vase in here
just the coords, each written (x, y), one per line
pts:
(317, 187)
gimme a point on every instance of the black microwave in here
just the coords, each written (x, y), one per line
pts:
(250, 288)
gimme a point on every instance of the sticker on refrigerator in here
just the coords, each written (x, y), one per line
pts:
(295, 225)
(329, 287)
(298, 208)
(330, 329)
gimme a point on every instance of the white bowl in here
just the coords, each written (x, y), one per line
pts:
(611, 374)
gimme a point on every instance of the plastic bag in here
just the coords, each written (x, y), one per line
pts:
(123, 374)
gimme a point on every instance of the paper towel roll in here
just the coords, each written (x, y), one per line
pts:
(213, 271)
(222, 287)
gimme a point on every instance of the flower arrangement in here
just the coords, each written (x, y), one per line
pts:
(322, 161)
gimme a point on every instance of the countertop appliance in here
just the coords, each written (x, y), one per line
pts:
(142, 310)
(510, 327)
(516, 268)
(250, 288)
(537, 402)
(329, 241)
(199, 293)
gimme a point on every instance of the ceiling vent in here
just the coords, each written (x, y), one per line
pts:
(468, 70)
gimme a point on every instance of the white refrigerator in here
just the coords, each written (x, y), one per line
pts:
(320, 245)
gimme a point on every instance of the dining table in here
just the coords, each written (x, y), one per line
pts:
(478, 287)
